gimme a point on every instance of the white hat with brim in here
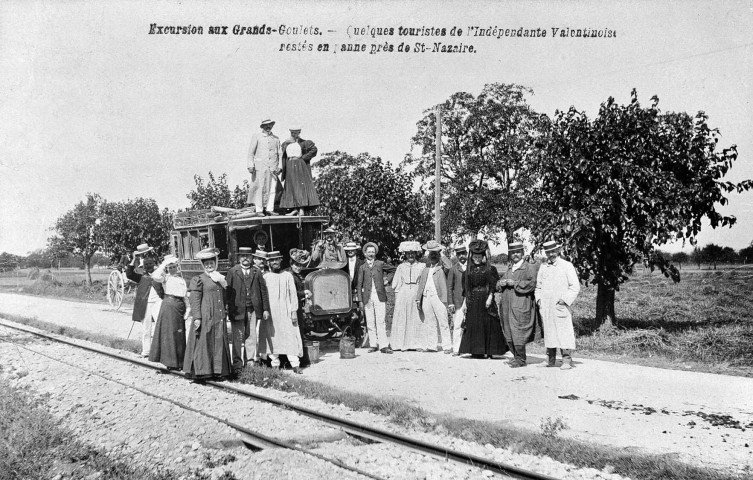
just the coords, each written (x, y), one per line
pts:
(171, 260)
(551, 246)
(267, 122)
(207, 254)
(352, 246)
(142, 249)
(409, 246)
(274, 255)
(432, 246)
(515, 247)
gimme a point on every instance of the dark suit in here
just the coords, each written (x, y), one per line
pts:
(247, 299)
(354, 278)
(143, 290)
(455, 281)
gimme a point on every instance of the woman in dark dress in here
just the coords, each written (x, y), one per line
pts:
(208, 354)
(482, 336)
(169, 340)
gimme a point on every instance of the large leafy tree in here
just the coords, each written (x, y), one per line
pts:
(129, 223)
(746, 254)
(632, 179)
(488, 159)
(79, 231)
(368, 200)
(216, 192)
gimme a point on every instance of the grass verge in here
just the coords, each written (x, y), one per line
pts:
(637, 466)
(35, 445)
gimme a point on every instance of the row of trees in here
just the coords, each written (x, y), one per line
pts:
(612, 189)
(712, 255)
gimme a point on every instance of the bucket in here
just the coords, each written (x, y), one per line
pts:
(313, 350)
(347, 347)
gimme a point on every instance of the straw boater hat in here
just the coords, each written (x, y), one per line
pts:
(460, 248)
(245, 251)
(267, 122)
(515, 247)
(260, 254)
(432, 246)
(478, 246)
(295, 128)
(351, 246)
(142, 249)
(371, 244)
(207, 254)
(330, 230)
(551, 246)
(301, 257)
(274, 255)
(409, 246)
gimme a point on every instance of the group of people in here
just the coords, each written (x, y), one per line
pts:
(264, 306)
(448, 306)
(281, 173)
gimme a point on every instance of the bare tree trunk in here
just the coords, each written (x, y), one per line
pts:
(605, 318)
(87, 267)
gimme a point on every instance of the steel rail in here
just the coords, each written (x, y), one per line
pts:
(348, 426)
(253, 438)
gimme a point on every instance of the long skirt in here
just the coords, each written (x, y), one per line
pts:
(483, 333)
(407, 327)
(299, 185)
(169, 340)
(208, 352)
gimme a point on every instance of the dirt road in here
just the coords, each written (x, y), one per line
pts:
(701, 418)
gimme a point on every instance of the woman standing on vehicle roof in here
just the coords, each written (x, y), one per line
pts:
(208, 353)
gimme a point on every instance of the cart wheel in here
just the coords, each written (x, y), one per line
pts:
(115, 289)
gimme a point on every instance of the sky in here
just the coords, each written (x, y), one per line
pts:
(90, 101)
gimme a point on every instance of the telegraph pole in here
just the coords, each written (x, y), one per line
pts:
(437, 174)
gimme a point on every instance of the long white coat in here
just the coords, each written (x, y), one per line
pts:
(278, 335)
(555, 282)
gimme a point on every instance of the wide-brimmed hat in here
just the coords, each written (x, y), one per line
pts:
(432, 246)
(461, 248)
(260, 254)
(515, 247)
(371, 244)
(274, 255)
(409, 246)
(351, 246)
(267, 121)
(551, 246)
(245, 251)
(330, 230)
(295, 128)
(170, 260)
(301, 257)
(207, 254)
(478, 246)
(142, 249)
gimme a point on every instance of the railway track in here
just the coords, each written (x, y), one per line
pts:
(260, 441)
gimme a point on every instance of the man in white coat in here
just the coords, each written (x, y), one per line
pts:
(280, 335)
(557, 286)
(264, 165)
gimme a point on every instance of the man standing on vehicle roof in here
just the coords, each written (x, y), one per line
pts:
(247, 300)
(148, 300)
(264, 166)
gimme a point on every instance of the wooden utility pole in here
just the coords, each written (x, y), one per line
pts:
(437, 176)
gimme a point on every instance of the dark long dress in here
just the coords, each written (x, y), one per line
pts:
(208, 353)
(299, 185)
(169, 340)
(483, 333)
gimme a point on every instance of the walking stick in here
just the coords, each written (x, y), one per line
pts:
(131, 330)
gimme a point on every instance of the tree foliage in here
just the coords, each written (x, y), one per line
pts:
(216, 192)
(79, 231)
(632, 179)
(489, 159)
(369, 201)
(127, 224)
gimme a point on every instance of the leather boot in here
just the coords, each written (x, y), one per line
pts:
(511, 347)
(520, 355)
(551, 354)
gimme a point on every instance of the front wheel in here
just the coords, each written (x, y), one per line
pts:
(115, 289)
